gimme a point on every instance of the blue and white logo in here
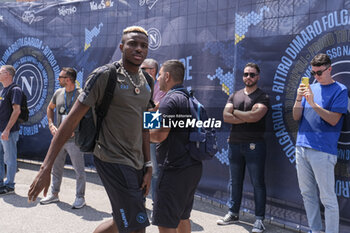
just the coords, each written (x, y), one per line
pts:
(151, 120)
(37, 72)
(154, 38)
(141, 217)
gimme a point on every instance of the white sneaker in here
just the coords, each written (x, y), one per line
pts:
(258, 226)
(51, 198)
(78, 203)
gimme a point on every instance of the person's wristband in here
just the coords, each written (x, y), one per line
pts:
(148, 164)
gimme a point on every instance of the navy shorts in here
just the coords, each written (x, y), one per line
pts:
(122, 184)
(175, 194)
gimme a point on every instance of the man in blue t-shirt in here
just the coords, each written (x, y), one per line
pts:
(179, 172)
(10, 108)
(319, 108)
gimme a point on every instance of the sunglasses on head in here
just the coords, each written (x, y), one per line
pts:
(319, 72)
(252, 75)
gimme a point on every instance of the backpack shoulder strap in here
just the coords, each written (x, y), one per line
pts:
(9, 92)
(148, 78)
(150, 84)
(102, 109)
(195, 110)
(11, 87)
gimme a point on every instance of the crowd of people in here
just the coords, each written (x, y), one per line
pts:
(130, 159)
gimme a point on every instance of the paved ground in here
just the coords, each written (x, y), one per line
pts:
(18, 216)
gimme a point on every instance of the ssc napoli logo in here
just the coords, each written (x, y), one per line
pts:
(36, 73)
(141, 217)
(155, 38)
(27, 75)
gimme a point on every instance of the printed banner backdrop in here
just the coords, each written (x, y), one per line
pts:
(214, 39)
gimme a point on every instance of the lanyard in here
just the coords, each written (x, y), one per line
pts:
(65, 100)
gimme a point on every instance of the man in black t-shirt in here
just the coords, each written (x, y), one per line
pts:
(246, 110)
(179, 172)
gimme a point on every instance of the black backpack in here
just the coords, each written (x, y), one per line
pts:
(24, 115)
(88, 133)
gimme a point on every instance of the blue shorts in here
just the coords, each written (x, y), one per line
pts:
(122, 184)
(175, 194)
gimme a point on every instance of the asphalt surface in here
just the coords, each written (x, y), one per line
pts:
(19, 216)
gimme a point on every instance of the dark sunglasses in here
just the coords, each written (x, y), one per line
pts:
(252, 75)
(319, 72)
(145, 68)
(62, 77)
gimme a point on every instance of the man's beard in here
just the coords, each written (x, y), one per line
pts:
(251, 84)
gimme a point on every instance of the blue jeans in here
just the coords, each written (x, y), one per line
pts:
(8, 155)
(155, 169)
(253, 155)
(316, 169)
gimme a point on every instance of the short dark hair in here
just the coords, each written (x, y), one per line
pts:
(321, 59)
(133, 29)
(253, 65)
(10, 69)
(71, 73)
(176, 69)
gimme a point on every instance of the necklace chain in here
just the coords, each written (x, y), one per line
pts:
(128, 75)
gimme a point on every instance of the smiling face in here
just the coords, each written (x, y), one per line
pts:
(134, 47)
